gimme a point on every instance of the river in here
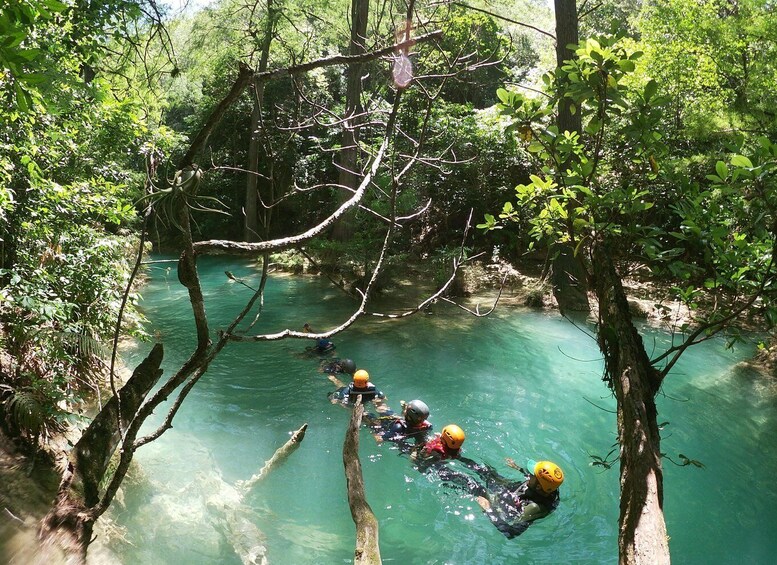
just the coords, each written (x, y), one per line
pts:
(521, 383)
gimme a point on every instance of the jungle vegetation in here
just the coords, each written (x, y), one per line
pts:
(363, 137)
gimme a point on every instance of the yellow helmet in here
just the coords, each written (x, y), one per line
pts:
(452, 436)
(361, 378)
(549, 475)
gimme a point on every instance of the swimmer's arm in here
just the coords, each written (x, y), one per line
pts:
(337, 382)
(514, 465)
(483, 502)
(380, 404)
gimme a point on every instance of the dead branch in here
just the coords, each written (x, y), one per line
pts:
(476, 311)
(280, 455)
(367, 550)
(493, 15)
(224, 247)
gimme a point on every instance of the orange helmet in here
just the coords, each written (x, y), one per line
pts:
(452, 436)
(361, 378)
(549, 475)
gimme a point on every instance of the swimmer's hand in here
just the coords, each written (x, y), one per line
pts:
(483, 502)
(514, 465)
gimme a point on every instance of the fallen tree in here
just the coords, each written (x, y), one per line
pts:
(367, 550)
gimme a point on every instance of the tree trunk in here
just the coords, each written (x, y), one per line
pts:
(251, 226)
(566, 34)
(642, 536)
(367, 550)
(570, 286)
(280, 455)
(68, 527)
(568, 278)
(349, 155)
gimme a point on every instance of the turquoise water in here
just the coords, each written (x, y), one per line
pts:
(522, 384)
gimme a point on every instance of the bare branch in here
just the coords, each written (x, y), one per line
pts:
(497, 16)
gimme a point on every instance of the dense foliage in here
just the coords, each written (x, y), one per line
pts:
(72, 152)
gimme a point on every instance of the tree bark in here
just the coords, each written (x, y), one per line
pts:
(68, 525)
(251, 230)
(238, 518)
(367, 550)
(280, 455)
(566, 34)
(568, 278)
(570, 286)
(349, 155)
(642, 536)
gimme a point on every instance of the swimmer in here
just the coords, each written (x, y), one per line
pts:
(360, 385)
(512, 506)
(445, 445)
(345, 366)
(413, 424)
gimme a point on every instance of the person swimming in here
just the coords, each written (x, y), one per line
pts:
(335, 366)
(445, 445)
(413, 424)
(360, 385)
(322, 345)
(512, 506)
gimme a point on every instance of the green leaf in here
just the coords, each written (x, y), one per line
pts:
(650, 90)
(741, 161)
(721, 169)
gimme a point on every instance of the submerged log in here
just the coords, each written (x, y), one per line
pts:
(280, 455)
(246, 538)
(367, 550)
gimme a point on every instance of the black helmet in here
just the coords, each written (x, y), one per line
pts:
(416, 411)
(348, 366)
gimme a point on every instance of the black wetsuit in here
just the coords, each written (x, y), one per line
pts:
(345, 366)
(514, 504)
(323, 346)
(399, 430)
(349, 393)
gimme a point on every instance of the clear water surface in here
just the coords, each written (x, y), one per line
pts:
(522, 384)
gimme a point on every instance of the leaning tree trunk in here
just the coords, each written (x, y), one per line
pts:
(642, 537)
(68, 525)
(367, 550)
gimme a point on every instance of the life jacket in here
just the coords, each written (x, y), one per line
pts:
(436, 445)
(368, 393)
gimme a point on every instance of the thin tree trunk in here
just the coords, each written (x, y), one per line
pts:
(68, 526)
(642, 536)
(251, 229)
(570, 286)
(566, 34)
(349, 155)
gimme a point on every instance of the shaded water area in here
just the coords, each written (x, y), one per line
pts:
(521, 383)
